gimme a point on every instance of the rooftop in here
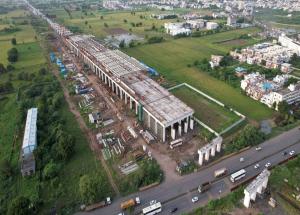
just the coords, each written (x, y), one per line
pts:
(130, 73)
(29, 141)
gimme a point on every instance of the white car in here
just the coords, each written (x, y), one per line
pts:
(258, 148)
(292, 152)
(268, 165)
(242, 159)
(256, 166)
(195, 199)
(152, 202)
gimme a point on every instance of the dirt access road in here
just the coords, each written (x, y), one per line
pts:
(88, 133)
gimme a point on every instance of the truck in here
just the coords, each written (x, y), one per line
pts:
(220, 172)
(98, 205)
(130, 203)
(204, 187)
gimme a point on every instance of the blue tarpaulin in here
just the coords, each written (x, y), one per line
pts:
(150, 70)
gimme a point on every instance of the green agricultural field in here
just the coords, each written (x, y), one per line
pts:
(213, 115)
(116, 20)
(171, 58)
(279, 18)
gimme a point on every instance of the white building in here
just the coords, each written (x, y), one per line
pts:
(29, 143)
(211, 25)
(196, 23)
(215, 60)
(290, 94)
(177, 28)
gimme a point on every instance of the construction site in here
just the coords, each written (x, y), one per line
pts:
(131, 117)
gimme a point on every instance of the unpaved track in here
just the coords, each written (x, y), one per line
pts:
(89, 135)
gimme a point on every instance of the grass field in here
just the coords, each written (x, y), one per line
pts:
(279, 18)
(213, 115)
(95, 25)
(171, 58)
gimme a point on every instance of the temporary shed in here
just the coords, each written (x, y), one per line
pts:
(29, 141)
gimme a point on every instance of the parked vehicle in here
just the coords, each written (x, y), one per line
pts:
(130, 203)
(268, 165)
(204, 187)
(292, 152)
(152, 209)
(195, 199)
(237, 175)
(220, 172)
(173, 210)
(98, 205)
(256, 166)
(258, 148)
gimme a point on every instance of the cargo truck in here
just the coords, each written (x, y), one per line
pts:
(204, 187)
(98, 205)
(130, 203)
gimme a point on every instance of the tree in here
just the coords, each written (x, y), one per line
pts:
(2, 68)
(6, 168)
(155, 39)
(10, 68)
(50, 170)
(105, 25)
(64, 146)
(131, 44)
(249, 136)
(42, 71)
(6, 87)
(283, 107)
(227, 60)
(14, 41)
(20, 206)
(12, 55)
(122, 44)
(87, 189)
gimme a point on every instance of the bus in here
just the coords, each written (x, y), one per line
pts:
(152, 209)
(220, 172)
(176, 143)
(237, 175)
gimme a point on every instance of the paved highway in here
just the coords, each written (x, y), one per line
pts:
(178, 194)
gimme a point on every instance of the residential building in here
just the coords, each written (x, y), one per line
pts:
(196, 23)
(215, 60)
(211, 25)
(286, 68)
(231, 20)
(177, 28)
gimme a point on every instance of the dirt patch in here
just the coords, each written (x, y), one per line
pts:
(245, 211)
(116, 31)
(235, 42)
